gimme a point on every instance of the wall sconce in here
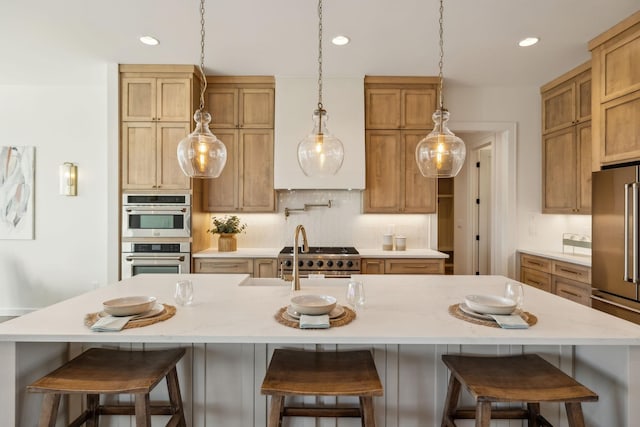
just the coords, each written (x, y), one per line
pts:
(68, 179)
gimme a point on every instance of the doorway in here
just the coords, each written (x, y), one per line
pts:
(481, 201)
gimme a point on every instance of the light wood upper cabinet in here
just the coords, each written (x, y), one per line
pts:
(566, 143)
(397, 115)
(616, 93)
(156, 99)
(149, 158)
(243, 115)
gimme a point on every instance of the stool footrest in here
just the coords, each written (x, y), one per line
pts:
(316, 411)
(499, 413)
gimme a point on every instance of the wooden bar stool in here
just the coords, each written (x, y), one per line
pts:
(308, 373)
(525, 378)
(103, 371)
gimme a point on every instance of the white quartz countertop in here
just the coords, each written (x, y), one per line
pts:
(273, 253)
(560, 256)
(399, 310)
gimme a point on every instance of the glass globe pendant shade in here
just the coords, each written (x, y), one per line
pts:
(320, 153)
(441, 153)
(201, 154)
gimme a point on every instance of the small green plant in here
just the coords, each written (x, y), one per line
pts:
(227, 225)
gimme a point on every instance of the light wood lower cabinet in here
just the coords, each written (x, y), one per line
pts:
(402, 266)
(568, 280)
(256, 267)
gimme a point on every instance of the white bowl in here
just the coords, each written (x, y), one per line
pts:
(313, 304)
(490, 304)
(128, 306)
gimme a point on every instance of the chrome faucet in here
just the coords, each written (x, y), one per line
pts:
(295, 284)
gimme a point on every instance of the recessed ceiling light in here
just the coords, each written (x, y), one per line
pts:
(148, 40)
(529, 41)
(340, 40)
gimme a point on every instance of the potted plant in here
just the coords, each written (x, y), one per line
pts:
(227, 227)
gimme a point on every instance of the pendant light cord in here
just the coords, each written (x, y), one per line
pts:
(203, 84)
(320, 55)
(441, 63)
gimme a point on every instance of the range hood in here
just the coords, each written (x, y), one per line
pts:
(296, 98)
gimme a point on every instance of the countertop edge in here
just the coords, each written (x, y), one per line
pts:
(584, 260)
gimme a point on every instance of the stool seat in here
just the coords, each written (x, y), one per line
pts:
(523, 378)
(306, 373)
(106, 371)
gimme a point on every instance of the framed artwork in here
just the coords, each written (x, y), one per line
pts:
(17, 176)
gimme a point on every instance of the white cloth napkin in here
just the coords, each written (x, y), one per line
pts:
(510, 321)
(308, 321)
(111, 323)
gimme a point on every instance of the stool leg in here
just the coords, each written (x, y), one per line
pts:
(483, 414)
(143, 410)
(93, 400)
(173, 386)
(49, 414)
(366, 407)
(533, 410)
(574, 414)
(451, 402)
(275, 413)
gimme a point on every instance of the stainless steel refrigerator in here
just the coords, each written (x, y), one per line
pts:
(616, 242)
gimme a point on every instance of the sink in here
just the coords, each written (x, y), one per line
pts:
(265, 281)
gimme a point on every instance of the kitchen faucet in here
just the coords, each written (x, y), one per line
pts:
(295, 284)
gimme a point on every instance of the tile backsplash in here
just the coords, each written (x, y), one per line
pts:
(341, 225)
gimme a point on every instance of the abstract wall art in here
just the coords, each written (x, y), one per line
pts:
(17, 172)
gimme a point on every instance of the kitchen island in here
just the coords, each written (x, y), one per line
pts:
(230, 332)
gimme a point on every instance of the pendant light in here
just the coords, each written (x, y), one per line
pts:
(201, 154)
(440, 154)
(320, 153)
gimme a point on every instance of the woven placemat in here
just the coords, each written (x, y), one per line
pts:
(284, 318)
(165, 314)
(456, 312)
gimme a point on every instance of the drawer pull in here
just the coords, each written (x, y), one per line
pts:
(533, 282)
(539, 264)
(227, 265)
(575, 273)
(569, 293)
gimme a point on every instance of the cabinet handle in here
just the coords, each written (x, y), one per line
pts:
(539, 264)
(575, 273)
(226, 265)
(533, 282)
(569, 293)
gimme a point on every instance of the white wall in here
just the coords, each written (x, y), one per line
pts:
(68, 255)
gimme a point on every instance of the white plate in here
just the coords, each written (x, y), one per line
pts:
(333, 314)
(467, 310)
(129, 306)
(157, 309)
(490, 304)
(313, 304)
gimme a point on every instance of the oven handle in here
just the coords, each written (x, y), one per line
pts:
(154, 258)
(154, 209)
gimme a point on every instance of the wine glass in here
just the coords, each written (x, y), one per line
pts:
(355, 294)
(514, 291)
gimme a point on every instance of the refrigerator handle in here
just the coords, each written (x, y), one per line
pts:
(635, 186)
(627, 278)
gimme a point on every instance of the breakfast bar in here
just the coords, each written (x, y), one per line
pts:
(230, 331)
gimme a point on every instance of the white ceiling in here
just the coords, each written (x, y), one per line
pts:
(58, 41)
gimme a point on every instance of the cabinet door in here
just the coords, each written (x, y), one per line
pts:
(570, 289)
(536, 278)
(558, 107)
(169, 174)
(173, 100)
(620, 132)
(138, 155)
(559, 172)
(265, 267)
(417, 108)
(222, 103)
(382, 108)
(220, 194)
(372, 266)
(583, 133)
(256, 171)
(138, 99)
(383, 171)
(419, 195)
(256, 108)
(583, 93)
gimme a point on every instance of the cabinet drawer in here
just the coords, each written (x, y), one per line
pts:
(535, 278)
(570, 289)
(224, 265)
(414, 266)
(535, 262)
(372, 266)
(572, 271)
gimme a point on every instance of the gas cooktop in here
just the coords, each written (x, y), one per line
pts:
(323, 250)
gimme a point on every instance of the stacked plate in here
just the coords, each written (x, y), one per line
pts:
(129, 306)
(482, 306)
(314, 305)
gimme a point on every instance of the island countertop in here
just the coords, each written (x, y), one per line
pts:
(399, 310)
